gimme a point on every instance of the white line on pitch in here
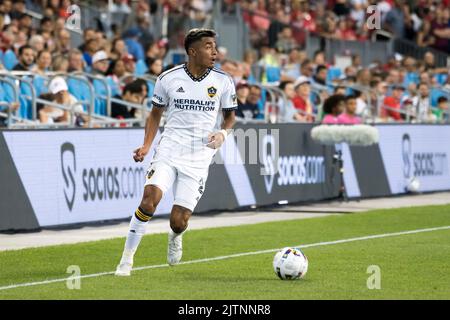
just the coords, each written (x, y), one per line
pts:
(318, 244)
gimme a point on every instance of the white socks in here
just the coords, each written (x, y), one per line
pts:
(138, 223)
(135, 233)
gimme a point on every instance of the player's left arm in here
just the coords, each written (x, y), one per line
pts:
(218, 138)
(228, 104)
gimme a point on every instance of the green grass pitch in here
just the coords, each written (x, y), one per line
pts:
(412, 266)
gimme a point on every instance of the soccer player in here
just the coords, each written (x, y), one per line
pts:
(193, 94)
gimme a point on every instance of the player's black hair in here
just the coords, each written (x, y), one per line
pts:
(23, 48)
(133, 87)
(195, 35)
(350, 97)
(332, 102)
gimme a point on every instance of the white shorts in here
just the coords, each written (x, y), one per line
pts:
(187, 190)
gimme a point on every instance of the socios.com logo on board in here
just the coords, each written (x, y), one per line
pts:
(422, 163)
(290, 170)
(68, 168)
(98, 183)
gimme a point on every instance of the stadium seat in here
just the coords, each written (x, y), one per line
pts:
(441, 78)
(273, 74)
(40, 86)
(435, 93)
(141, 68)
(25, 110)
(9, 60)
(100, 103)
(80, 90)
(115, 89)
(411, 77)
(261, 104)
(333, 73)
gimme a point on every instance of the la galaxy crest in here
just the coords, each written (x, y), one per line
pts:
(212, 91)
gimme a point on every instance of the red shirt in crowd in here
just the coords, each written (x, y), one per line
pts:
(393, 103)
(299, 103)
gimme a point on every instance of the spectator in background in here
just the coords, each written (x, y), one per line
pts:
(26, 58)
(88, 34)
(37, 43)
(43, 62)
(345, 30)
(63, 43)
(288, 111)
(130, 64)
(391, 104)
(361, 104)
(441, 29)
(116, 71)
(307, 69)
(132, 93)
(291, 70)
(349, 116)
(100, 63)
(135, 48)
(319, 59)
(340, 90)
(152, 51)
(441, 112)
(301, 100)
(394, 20)
(277, 25)
(320, 76)
(250, 110)
(285, 42)
(422, 107)
(60, 64)
(425, 37)
(76, 61)
(50, 114)
(118, 49)
(92, 46)
(363, 77)
(332, 108)
(155, 67)
(6, 8)
(242, 92)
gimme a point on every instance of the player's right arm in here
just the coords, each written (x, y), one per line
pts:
(160, 100)
(151, 127)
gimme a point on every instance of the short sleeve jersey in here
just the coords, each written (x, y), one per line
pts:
(192, 109)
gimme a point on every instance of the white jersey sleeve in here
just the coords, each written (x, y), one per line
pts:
(160, 97)
(228, 100)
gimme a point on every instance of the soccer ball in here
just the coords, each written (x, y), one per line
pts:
(290, 263)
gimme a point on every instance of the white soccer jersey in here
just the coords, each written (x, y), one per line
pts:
(193, 106)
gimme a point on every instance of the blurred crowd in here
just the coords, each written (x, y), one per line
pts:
(281, 24)
(313, 88)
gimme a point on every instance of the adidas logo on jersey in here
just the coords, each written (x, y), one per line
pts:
(180, 89)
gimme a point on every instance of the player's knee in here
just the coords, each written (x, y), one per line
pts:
(148, 204)
(178, 226)
(179, 219)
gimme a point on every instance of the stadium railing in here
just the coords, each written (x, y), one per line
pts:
(273, 101)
